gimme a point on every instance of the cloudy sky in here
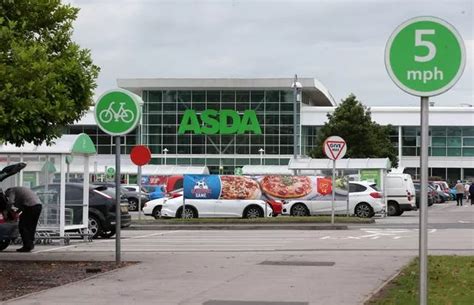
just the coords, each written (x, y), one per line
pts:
(339, 42)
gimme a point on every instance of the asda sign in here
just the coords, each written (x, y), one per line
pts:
(219, 122)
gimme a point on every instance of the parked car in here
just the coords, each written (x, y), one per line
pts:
(418, 194)
(153, 207)
(134, 188)
(102, 205)
(276, 205)
(132, 196)
(8, 219)
(205, 208)
(364, 201)
(442, 186)
(400, 193)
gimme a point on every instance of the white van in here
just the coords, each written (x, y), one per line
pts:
(400, 192)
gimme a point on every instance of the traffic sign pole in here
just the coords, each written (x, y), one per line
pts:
(333, 189)
(423, 240)
(118, 211)
(139, 193)
(425, 56)
(117, 112)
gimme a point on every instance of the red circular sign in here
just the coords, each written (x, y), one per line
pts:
(140, 155)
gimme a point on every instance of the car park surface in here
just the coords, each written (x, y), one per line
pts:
(215, 267)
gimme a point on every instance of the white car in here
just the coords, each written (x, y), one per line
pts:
(215, 208)
(364, 201)
(153, 207)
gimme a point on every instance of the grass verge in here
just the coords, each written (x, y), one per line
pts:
(450, 281)
(269, 220)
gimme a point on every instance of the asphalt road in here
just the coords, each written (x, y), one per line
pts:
(278, 267)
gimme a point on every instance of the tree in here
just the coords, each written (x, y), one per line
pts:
(352, 121)
(46, 80)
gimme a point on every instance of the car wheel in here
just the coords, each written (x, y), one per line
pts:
(393, 209)
(133, 204)
(253, 212)
(95, 227)
(157, 212)
(364, 210)
(108, 234)
(4, 244)
(188, 213)
(299, 209)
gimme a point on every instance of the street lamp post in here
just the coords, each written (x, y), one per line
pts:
(165, 151)
(261, 151)
(297, 88)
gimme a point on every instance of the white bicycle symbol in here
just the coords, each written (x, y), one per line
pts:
(124, 115)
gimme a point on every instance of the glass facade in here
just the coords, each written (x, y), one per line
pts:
(164, 109)
(445, 141)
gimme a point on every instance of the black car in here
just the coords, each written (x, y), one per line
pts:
(418, 195)
(101, 206)
(132, 196)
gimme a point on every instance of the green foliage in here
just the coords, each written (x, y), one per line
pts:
(352, 121)
(46, 80)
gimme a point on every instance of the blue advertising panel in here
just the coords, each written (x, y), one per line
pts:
(201, 186)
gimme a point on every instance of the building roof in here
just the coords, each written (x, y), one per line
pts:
(315, 164)
(314, 92)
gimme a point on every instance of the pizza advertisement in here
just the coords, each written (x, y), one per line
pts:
(279, 187)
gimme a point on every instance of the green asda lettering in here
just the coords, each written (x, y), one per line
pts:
(224, 122)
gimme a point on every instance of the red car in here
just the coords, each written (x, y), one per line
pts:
(277, 206)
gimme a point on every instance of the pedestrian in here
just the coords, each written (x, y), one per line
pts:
(471, 192)
(26, 201)
(459, 193)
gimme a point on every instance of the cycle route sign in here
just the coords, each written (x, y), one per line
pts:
(117, 112)
(425, 56)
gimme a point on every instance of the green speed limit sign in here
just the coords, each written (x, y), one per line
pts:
(117, 112)
(425, 56)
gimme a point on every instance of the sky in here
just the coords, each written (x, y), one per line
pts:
(339, 42)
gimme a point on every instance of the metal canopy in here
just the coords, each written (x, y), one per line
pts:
(266, 170)
(315, 164)
(67, 144)
(79, 145)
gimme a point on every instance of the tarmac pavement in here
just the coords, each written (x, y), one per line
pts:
(250, 267)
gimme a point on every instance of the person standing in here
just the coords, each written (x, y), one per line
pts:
(30, 206)
(459, 193)
(471, 192)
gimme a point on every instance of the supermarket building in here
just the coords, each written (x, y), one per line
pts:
(181, 119)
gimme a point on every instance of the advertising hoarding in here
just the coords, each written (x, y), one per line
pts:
(279, 187)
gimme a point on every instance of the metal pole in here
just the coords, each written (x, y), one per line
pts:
(117, 198)
(139, 193)
(184, 207)
(333, 190)
(423, 238)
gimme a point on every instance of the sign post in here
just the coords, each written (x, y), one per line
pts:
(140, 155)
(334, 148)
(424, 56)
(117, 112)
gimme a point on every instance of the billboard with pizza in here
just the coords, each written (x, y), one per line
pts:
(279, 187)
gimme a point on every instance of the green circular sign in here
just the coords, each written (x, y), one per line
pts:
(425, 56)
(110, 171)
(117, 112)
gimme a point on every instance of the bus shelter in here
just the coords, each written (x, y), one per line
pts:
(370, 169)
(65, 205)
